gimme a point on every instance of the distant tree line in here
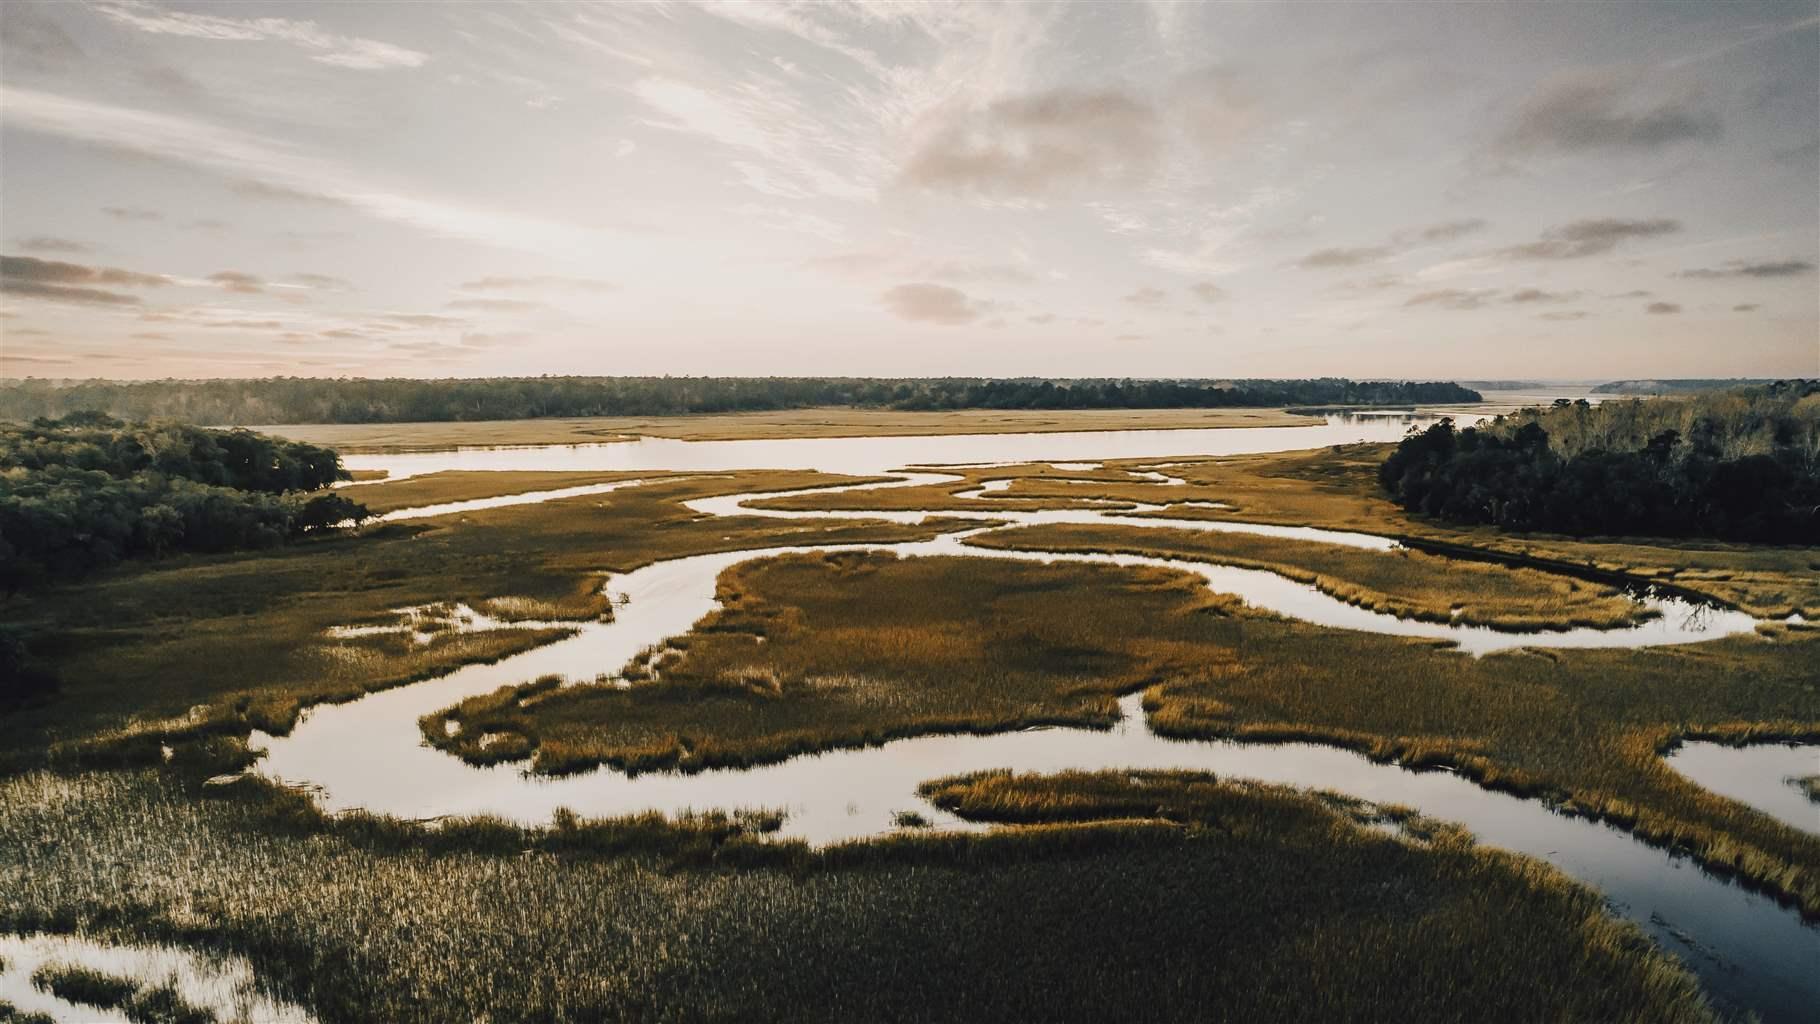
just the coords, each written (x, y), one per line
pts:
(1681, 386)
(85, 491)
(1737, 465)
(356, 400)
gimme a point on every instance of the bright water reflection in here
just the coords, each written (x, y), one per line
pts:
(1762, 775)
(225, 986)
(862, 456)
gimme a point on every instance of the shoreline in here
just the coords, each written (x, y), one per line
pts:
(400, 438)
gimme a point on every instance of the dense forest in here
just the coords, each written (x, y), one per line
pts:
(86, 491)
(354, 400)
(1736, 465)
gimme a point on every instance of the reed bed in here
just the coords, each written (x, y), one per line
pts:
(863, 647)
(1243, 905)
(218, 644)
(859, 649)
(1407, 584)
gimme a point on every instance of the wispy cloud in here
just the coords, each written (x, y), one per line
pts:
(51, 243)
(1591, 237)
(33, 278)
(1453, 298)
(540, 281)
(237, 281)
(325, 47)
(1757, 269)
(240, 157)
(1325, 259)
(800, 152)
(496, 305)
(1039, 145)
(1604, 110)
(926, 302)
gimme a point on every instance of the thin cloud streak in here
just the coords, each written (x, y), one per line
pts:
(238, 156)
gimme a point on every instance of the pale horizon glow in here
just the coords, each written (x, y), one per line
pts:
(871, 188)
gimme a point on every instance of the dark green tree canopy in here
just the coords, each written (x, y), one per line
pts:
(1739, 465)
(86, 491)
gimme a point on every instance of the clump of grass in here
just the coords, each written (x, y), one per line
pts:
(140, 1002)
(909, 819)
(163, 1004)
(74, 983)
(10, 1014)
(1810, 785)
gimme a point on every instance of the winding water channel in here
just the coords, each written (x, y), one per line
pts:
(1750, 953)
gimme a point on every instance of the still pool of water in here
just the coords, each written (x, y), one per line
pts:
(1762, 775)
(865, 456)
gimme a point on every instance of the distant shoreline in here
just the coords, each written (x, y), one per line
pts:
(375, 438)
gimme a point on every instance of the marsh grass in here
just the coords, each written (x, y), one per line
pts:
(1406, 584)
(1245, 905)
(139, 1001)
(197, 646)
(1810, 786)
(1337, 488)
(861, 648)
(85, 985)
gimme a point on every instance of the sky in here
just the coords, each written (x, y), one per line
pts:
(1429, 190)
